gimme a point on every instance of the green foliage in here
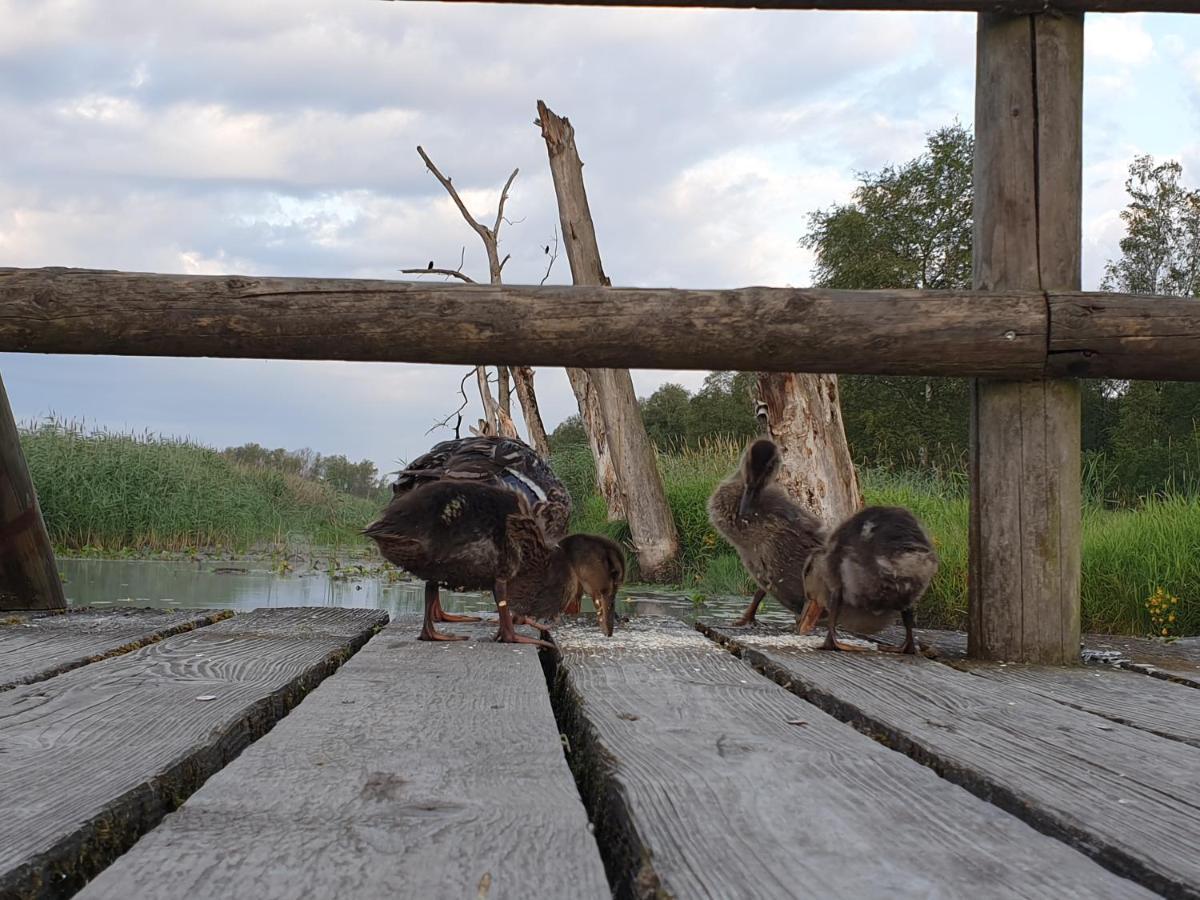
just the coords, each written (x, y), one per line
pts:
(360, 479)
(907, 225)
(113, 491)
(1160, 253)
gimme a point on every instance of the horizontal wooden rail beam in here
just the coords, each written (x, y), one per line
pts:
(997, 334)
(1012, 7)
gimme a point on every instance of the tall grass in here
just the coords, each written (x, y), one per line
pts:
(1127, 553)
(112, 491)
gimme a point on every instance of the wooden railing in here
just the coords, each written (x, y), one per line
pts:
(998, 334)
(1020, 335)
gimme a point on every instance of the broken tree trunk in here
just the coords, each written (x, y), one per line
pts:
(650, 521)
(587, 394)
(804, 417)
(523, 382)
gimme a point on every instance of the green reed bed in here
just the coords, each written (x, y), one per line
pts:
(111, 492)
(1129, 553)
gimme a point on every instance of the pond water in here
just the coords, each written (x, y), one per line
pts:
(244, 586)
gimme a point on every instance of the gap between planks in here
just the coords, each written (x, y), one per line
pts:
(38, 645)
(96, 756)
(1127, 798)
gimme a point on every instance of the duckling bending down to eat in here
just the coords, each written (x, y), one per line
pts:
(578, 564)
(773, 534)
(877, 563)
(476, 536)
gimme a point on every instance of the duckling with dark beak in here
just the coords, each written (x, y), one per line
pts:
(877, 563)
(773, 534)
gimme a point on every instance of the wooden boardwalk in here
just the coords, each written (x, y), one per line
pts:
(314, 752)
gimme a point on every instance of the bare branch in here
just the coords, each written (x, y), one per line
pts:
(503, 200)
(507, 257)
(453, 273)
(481, 230)
(553, 256)
(462, 392)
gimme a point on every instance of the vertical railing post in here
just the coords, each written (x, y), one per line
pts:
(1025, 525)
(28, 572)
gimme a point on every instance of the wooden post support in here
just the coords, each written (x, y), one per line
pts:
(1025, 525)
(28, 572)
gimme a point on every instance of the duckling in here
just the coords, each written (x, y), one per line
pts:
(773, 534)
(878, 562)
(472, 535)
(578, 564)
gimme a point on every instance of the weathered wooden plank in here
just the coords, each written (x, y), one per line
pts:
(706, 780)
(1012, 7)
(1026, 527)
(94, 757)
(418, 770)
(82, 311)
(36, 647)
(1126, 333)
(29, 576)
(1159, 707)
(1178, 661)
(1127, 798)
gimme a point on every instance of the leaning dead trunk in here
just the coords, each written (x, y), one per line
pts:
(641, 487)
(587, 394)
(804, 417)
(523, 382)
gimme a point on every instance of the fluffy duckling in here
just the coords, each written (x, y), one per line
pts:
(578, 564)
(877, 563)
(773, 534)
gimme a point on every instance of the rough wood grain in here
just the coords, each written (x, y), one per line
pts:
(36, 647)
(1178, 661)
(1125, 333)
(96, 756)
(1128, 798)
(1159, 707)
(986, 334)
(1000, 6)
(643, 497)
(778, 329)
(29, 576)
(1025, 529)
(804, 419)
(706, 780)
(418, 770)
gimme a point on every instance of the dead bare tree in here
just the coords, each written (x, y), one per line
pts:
(639, 482)
(497, 413)
(803, 415)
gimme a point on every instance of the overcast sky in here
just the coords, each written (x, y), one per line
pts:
(278, 138)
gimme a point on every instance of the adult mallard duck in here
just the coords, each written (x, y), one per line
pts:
(474, 536)
(500, 462)
(877, 563)
(773, 534)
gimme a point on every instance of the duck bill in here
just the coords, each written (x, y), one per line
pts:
(606, 612)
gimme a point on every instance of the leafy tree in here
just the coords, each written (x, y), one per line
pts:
(569, 433)
(1160, 253)
(907, 226)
